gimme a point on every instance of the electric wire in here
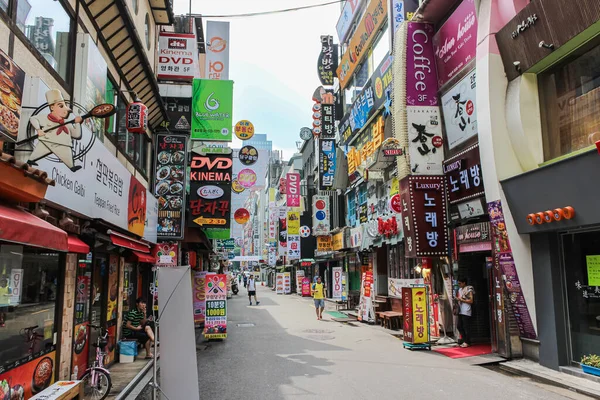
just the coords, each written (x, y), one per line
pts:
(259, 13)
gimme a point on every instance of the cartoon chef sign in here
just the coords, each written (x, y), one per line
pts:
(53, 138)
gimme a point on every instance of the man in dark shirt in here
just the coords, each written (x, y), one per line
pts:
(136, 326)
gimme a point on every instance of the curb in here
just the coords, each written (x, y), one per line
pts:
(135, 381)
(548, 381)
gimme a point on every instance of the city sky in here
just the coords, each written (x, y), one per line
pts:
(273, 62)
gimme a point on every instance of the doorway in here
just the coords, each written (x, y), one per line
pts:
(474, 268)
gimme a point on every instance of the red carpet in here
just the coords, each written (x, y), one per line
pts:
(460, 352)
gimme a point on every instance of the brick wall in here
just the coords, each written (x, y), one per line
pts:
(64, 372)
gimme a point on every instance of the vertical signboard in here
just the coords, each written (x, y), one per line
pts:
(210, 194)
(328, 59)
(420, 321)
(455, 43)
(12, 81)
(321, 218)
(421, 78)
(282, 218)
(217, 50)
(460, 114)
(293, 189)
(336, 272)
(170, 161)
(215, 324)
(425, 140)
(327, 121)
(327, 163)
(212, 109)
(177, 56)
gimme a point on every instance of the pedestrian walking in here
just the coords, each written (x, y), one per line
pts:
(245, 280)
(318, 293)
(465, 298)
(239, 278)
(252, 290)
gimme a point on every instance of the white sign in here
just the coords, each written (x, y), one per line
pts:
(321, 224)
(299, 276)
(460, 113)
(279, 283)
(426, 150)
(57, 390)
(395, 285)
(293, 247)
(356, 236)
(16, 286)
(470, 209)
(272, 256)
(151, 218)
(336, 272)
(177, 56)
(349, 13)
(217, 50)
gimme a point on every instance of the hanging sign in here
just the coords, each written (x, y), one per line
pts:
(241, 216)
(165, 254)
(293, 189)
(304, 231)
(136, 120)
(328, 59)
(244, 129)
(212, 109)
(327, 163)
(321, 224)
(324, 243)
(217, 50)
(460, 114)
(246, 178)
(248, 155)
(236, 187)
(177, 56)
(179, 114)
(425, 140)
(463, 175)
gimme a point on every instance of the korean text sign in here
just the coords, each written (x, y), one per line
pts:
(177, 56)
(217, 49)
(327, 163)
(374, 17)
(424, 215)
(455, 43)
(293, 189)
(215, 323)
(420, 318)
(463, 175)
(170, 161)
(179, 112)
(212, 109)
(460, 111)
(328, 58)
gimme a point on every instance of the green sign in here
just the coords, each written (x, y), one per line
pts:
(217, 233)
(228, 244)
(593, 270)
(212, 110)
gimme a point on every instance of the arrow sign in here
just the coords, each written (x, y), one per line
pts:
(210, 221)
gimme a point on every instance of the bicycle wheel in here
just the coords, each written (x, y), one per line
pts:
(96, 384)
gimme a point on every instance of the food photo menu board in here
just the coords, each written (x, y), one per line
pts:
(170, 184)
(12, 80)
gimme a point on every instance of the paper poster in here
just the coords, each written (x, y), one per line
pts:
(593, 270)
(215, 325)
(29, 378)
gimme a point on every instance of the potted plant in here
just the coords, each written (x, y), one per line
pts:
(591, 364)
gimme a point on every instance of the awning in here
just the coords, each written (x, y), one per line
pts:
(18, 226)
(76, 245)
(127, 242)
(144, 258)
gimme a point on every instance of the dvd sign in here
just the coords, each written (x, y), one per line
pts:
(177, 56)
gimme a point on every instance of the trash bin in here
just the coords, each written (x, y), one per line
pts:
(127, 351)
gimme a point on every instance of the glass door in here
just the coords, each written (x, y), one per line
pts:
(81, 331)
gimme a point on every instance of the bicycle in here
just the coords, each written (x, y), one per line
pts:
(96, 380)
(31, 337)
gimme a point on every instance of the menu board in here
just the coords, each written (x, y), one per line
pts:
(170, 184)
(12, 80)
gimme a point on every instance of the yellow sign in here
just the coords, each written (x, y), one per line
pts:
(338, 241)
(324, 243)
(211, 221)
(244, 130)
(420, 320)
(293, 223)
(395, 186)
(236, 187)
(364, 151)
(373, 19)
(593, 270)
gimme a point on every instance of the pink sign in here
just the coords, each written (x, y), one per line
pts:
(247, 178)
(293, 190)
(456, 42)
(471, 247)
(305, 287)
(421, 78)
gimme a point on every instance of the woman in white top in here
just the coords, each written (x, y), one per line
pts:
(465, 299)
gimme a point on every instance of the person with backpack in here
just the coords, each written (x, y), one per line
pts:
(465, 298)
(318, 293)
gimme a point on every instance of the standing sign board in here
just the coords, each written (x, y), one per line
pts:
(287, 283)
(279, 283)
(215, 325)
(170, 184)
(299, 276)
(416, 315)
(212, 110)
(177, 56)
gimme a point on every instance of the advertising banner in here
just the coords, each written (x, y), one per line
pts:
(293, 223)
(212, 109)
(425, 146)
(210, 194)
(279, 283)
(372, 20)
(23, 375)
(177, 57)
(395, 285)
(366, 311)
(282, 220)
(166, 254)
(217, 50)
(293, 247)
(272, 256)
(287, 283)
(504, 261)
(305, 287)
(336, 273)
(421, 78)
(374, 95)
(349, 13)
(179, 113)
(293, 189)
(12, 82)
(136, 207)
(324, 243)
(463, 175)
(328, 59)
(327, 163)
(425, 216)
(455, 42)
(215, 322)
(365, 148)
(199, 293)
(460, 113)
(321, 217)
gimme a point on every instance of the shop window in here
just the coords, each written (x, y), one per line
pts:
(47, 26)
(147, 31)
(570, 105)
(351, 210)
(4, 5)
(111, 98)
(29, 290)
(133, 145)
(381, 47)
(136, 6)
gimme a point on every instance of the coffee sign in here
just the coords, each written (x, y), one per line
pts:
(421, 79)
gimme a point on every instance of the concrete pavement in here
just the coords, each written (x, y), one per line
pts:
(278, 350)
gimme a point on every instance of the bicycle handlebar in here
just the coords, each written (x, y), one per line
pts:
(31, 328)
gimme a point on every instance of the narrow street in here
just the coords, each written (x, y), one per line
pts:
(278, 350)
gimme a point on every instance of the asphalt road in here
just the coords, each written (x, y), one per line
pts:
(278, 350)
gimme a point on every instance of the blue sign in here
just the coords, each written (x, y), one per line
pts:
(327, 161)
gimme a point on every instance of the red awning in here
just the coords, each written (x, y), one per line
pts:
(76, 245)
(144, 258)
(18, 226)
(127, 242)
